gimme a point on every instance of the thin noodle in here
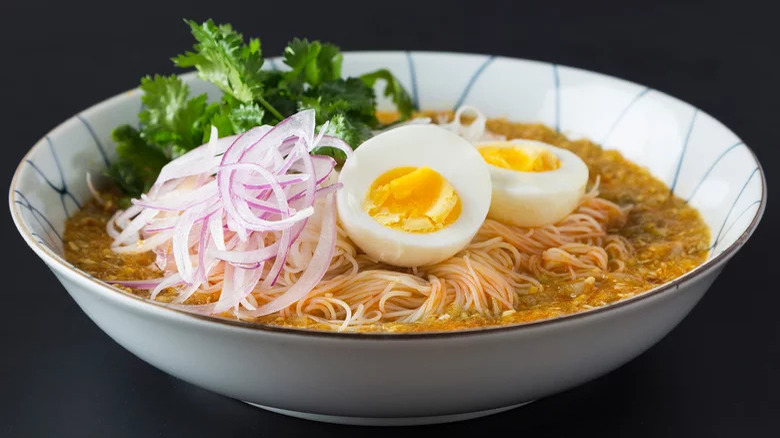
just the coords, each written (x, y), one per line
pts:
(488, 278)
(502, 263)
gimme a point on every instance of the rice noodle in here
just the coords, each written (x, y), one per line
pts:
(502, 263)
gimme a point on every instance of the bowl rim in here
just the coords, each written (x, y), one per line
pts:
(57, 262)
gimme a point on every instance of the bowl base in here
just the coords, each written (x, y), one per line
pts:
(389, 421)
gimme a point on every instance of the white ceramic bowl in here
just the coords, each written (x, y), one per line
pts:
(418, 378)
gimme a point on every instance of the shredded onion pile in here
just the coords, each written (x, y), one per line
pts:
(235, 206)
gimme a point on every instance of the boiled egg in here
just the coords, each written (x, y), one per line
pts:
(413, 195)
(534, 183)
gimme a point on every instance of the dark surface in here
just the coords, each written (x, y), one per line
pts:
(717, 374)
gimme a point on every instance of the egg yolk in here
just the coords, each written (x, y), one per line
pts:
(521, 158)
(412, 199)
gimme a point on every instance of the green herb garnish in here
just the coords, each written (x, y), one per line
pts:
(138, 163)
(173, 123)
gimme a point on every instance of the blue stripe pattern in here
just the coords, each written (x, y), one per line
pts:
(95, 137)
(62, 190)
(34, 234)
(25, 203)
(712, 166)
(754, 203)
(471, 82)
(557, 85)
(734, 204)
(623, 114)
(413, 79)
(684, 149)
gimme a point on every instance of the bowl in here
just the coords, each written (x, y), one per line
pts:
(402, 379)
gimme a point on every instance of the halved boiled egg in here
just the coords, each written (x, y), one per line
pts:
(414, 195)
(534, 183)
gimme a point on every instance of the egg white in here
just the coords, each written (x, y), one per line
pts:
(451, 156)
(534, 199)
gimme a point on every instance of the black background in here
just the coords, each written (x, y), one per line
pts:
(717, 374)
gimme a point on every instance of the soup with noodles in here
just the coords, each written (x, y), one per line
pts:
(626, 234)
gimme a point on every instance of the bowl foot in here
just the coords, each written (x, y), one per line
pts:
(382, 421)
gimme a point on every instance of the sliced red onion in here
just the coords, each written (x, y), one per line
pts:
(247, 257)
(217, 231)
(317, 268)
(170, 281)
(203, 244)
(93, 191)
(131, 233)
(199, 160)
(308, 199)
(283, 180)
(161, 261)
(181, 201)
(243, 282)
(335, 142)
(216, 216)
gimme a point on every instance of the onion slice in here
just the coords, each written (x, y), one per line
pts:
(317, 268)
(224, 216)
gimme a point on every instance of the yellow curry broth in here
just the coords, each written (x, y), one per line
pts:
(88, 247)
(668, 236)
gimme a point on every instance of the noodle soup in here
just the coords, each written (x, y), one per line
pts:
(627, 234)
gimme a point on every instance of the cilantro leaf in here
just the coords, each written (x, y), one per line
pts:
(349, 105)
(171, 120)
(352, 131)
(245, 117)
(137, 164)
(329, 62)
(311, 63)
(235, 118)
(350, 97)
(278, 94)
(223, 59)
(393, 90)
(299, 55)
(172, 123)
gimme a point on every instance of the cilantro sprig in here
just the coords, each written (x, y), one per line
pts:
(172, 122)
(223, 59)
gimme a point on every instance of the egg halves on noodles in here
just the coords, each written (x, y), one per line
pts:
(534, 183)
(414, 195)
